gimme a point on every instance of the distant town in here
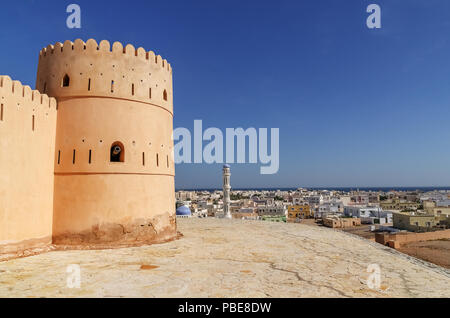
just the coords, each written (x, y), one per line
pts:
(414, 211)
(393, 218)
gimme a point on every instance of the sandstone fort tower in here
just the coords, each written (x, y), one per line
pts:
(94, 162)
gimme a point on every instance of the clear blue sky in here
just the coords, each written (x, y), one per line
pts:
(355, 107)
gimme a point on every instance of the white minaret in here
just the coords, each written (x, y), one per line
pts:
(226, 191)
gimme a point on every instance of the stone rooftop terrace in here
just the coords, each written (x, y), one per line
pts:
(230, 258)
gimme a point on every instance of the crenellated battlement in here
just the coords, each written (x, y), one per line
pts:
(83, 69)
(105, 46)
(25, 114)
(24, 93)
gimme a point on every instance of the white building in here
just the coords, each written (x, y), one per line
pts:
(443, 203)
(315, 199)
(369, 215)
(362, 199)
(185, 195)
(328, 209)
(200, 213)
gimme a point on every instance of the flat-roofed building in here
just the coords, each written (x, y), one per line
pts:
(400, 205)
(414, 222)
(272, 210)
(341, 223)
(369, 214)
(299, 212)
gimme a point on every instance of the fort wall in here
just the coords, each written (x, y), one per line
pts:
(27, 147)
(408, 237)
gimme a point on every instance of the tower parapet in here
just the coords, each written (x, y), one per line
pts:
(81, 68)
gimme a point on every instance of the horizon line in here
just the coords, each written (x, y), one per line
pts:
(311, 187)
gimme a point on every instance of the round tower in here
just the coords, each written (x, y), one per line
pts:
(114, 169)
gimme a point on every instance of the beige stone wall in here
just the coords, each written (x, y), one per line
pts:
(440, 211)
(401, 238)
(240, 215)
(406, 221)
(27, 138)
(106, 96)
(119, 208)
(341, 223)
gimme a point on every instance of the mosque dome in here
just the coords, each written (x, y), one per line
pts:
(183, 210)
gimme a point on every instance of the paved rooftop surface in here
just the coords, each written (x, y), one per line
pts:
(230, 258)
